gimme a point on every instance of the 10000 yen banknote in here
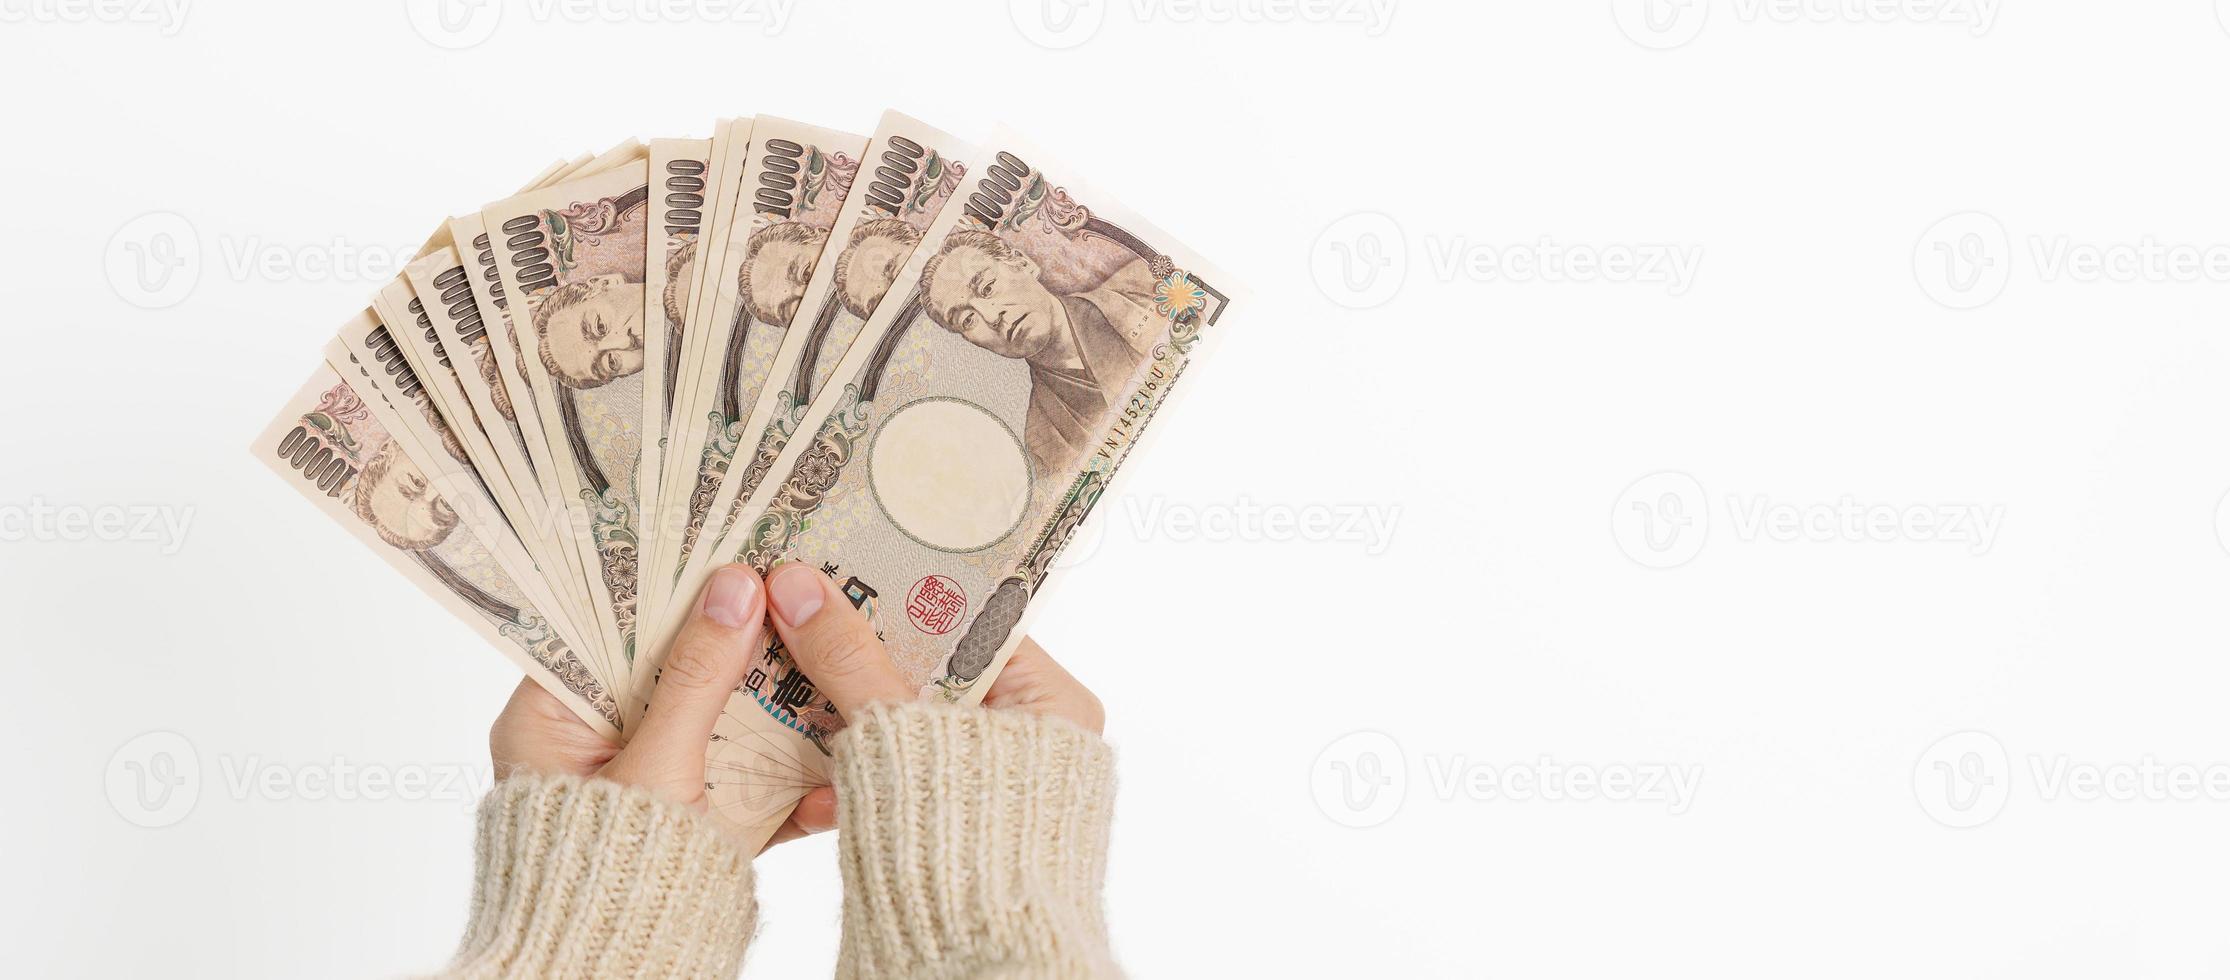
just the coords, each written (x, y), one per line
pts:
(409, 325)
(680, 173)
(794, 186)
(572, 259)
(443, 289)
(366, 352)
(441, 294)
(477, 252)
(730, 153)
(971, 427)
(326, 444)
(484, 280)
(910, 171)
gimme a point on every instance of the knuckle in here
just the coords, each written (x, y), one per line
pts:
(652, 769)
(694, 664)
(625, 769)
(846, 651)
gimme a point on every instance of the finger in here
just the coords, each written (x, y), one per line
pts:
(1033, 681)
(537, 732)
(513, 725)
(704, 665)
(531, 701)
(1023, 669)
(527, 700)
(832, 643)
(782, 835)
(815, 814)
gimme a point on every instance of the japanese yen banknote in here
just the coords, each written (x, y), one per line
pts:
(913, 362)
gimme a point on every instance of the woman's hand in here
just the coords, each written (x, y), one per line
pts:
(666, 756)
(835, 647)
(839, 651)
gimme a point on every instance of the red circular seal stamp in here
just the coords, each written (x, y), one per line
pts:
(935, 604)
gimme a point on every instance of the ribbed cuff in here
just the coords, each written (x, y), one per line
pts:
(972, 841)
(591, 878)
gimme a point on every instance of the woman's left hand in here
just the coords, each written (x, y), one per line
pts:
(536, 733)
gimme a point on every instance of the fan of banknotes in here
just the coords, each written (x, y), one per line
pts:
(912, 362)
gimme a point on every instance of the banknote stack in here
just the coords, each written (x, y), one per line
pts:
(912, 362)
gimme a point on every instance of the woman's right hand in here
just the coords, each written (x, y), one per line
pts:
(838, 650)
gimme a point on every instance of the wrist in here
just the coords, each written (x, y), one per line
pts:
(586, 875)
(967, 834)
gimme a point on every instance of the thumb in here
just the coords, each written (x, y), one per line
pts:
(831, 642)
(705, 663)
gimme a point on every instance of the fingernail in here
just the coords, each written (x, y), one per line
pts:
(728, 596)
(796, 592)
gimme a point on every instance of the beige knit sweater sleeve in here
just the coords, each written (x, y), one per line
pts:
(972, 843)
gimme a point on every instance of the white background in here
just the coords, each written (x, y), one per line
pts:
(1534, 445)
